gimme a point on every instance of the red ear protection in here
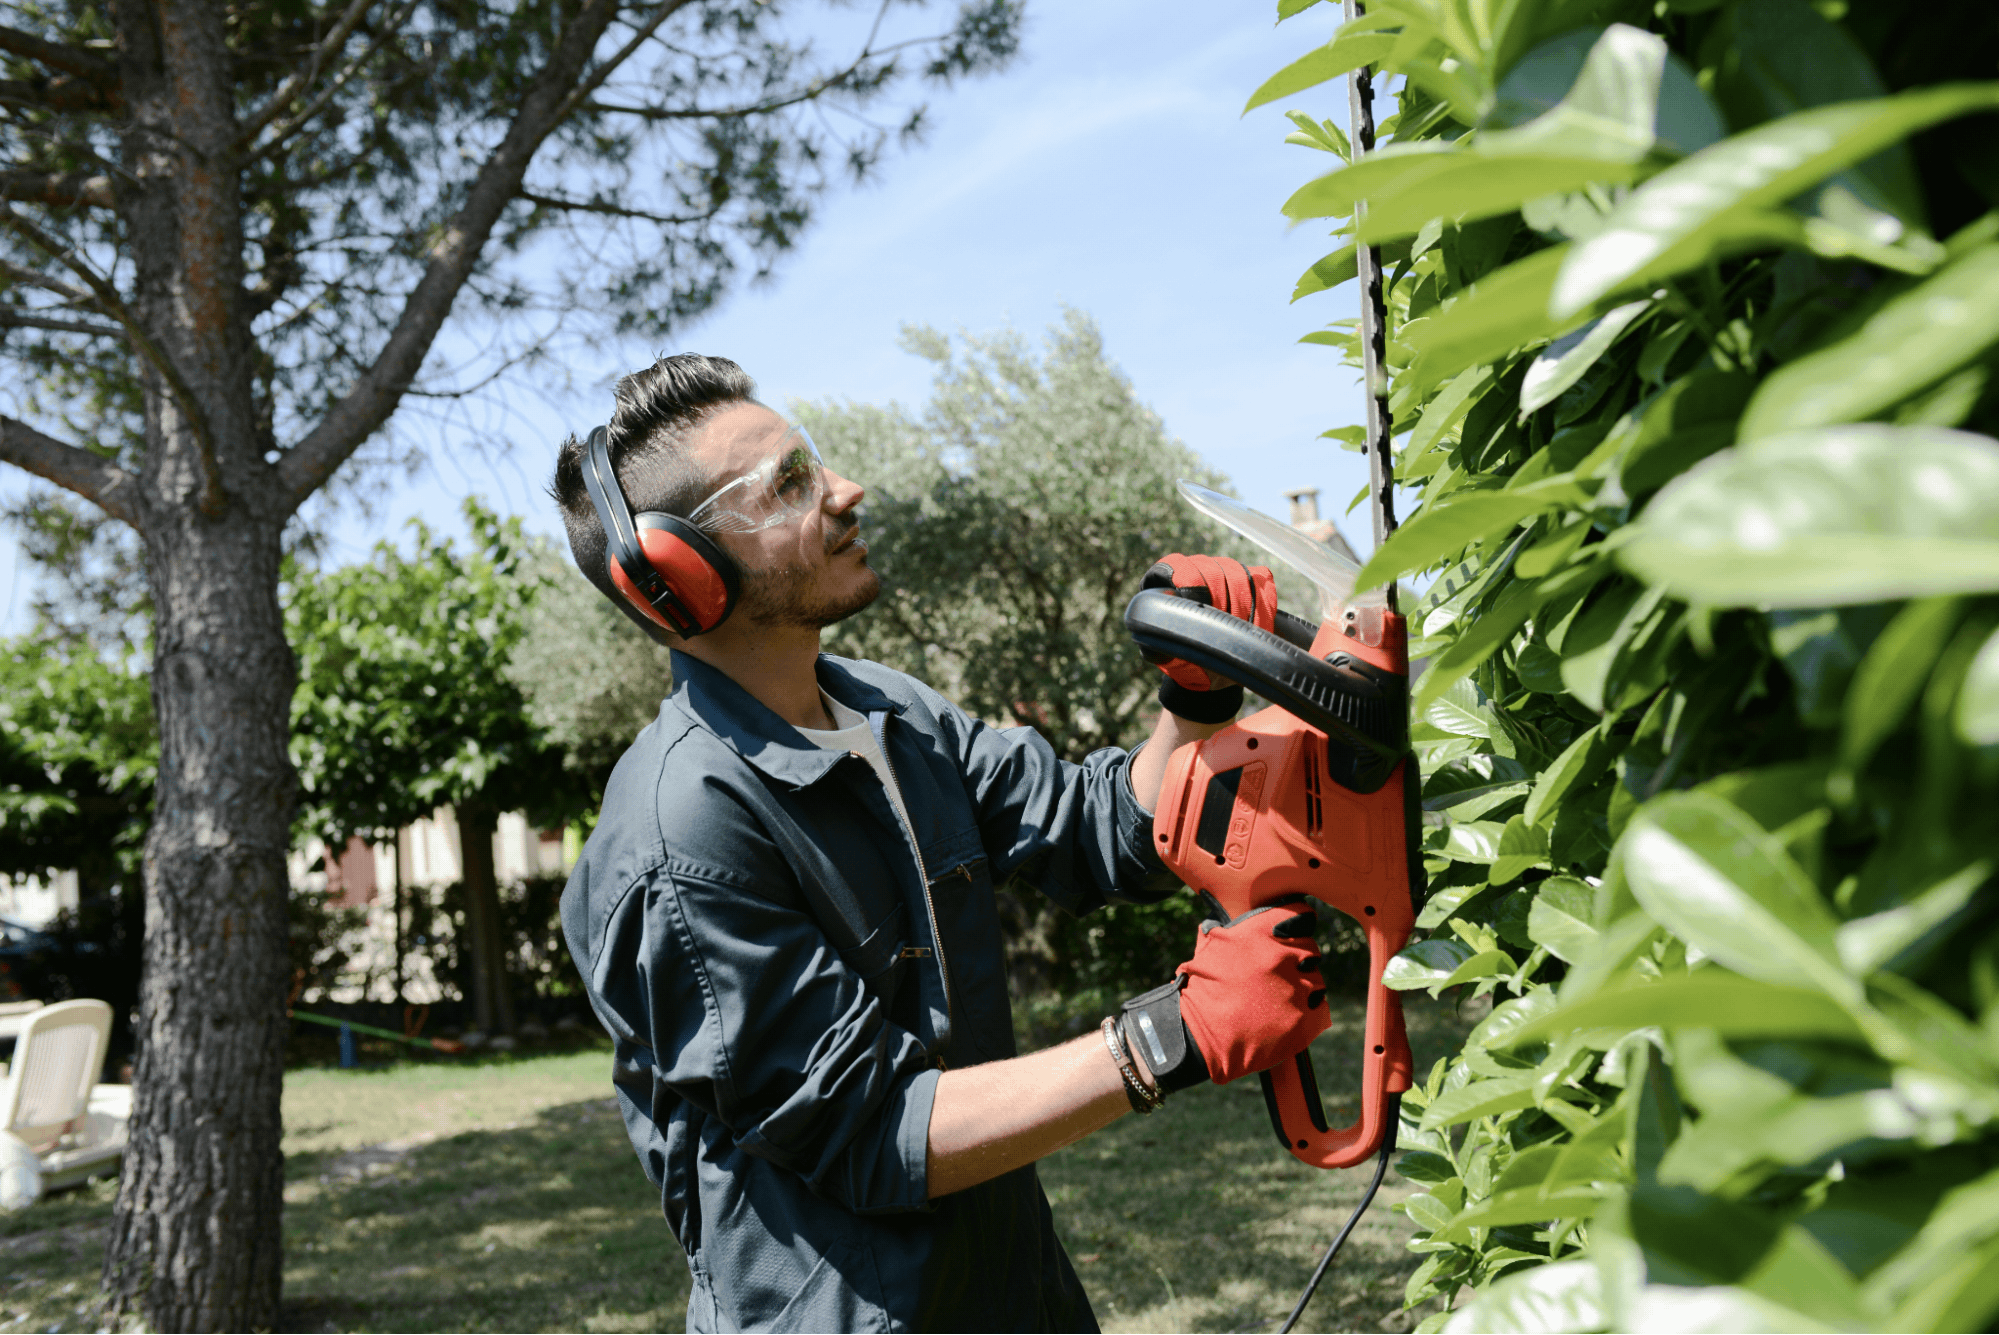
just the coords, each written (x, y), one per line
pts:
(670, 570)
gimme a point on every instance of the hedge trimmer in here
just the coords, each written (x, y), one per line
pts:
(1318, 792)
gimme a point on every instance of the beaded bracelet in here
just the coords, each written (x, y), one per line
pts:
(1143, 1099)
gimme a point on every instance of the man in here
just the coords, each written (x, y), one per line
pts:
(785, 914)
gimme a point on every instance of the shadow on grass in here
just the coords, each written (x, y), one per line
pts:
(1196, 1219)
(548, 1226)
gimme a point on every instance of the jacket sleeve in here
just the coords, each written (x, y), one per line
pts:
(752, 1016)
(1074, 832)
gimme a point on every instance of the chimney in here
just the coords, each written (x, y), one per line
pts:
(1304, 506)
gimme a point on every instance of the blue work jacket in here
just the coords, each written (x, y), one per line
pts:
(785, 976)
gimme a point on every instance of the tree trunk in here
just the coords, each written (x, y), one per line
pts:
(492, 999)
(196, 1243)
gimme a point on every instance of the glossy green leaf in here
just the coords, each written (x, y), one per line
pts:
(1522, 1205)
(1580, 763)
(1501, 311)
(1978, 699)
(1917, 339)
(1468, 186)
(1432, 534)
(1461, 711)
(1599, 133)
(1891, 676)
(1567, 1295)
(1836, 515)
(1498, 623)
(1388, 169)
(1496, 1029)
(1468, 841)
(1790, 57)
(1481, 1098)
(1563, 918)
(1694, 209)
(1485, 964)
(1339, 267)
(1352, 47)
(1600, 635)
(1714, 878)
(1424, 964)
(1954, 1250)
(1425, 1166)
(1865, 944)
(1442, 905)
(1563, 362)
(1521, 847)
(1287, 8)
(1710, 999)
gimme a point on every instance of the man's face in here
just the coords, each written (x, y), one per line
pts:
(811, 571)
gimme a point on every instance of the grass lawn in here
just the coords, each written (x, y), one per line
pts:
(502, 1195)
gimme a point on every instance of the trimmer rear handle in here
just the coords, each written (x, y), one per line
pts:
(1362, 709)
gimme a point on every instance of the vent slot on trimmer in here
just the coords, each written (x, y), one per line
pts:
(1315, 806)
(1217, 806)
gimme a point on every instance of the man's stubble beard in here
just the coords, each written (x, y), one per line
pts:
(783, 596)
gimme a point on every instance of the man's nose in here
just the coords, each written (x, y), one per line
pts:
(842, 495)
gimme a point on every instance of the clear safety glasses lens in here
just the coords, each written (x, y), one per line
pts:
(790, 483)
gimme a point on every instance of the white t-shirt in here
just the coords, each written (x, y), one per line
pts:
(850, 732)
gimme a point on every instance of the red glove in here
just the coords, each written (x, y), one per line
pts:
(1250, 998)
(1249, 592)
(1253, 996)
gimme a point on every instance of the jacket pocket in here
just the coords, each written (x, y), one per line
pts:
(840, 1293)
(878, 954)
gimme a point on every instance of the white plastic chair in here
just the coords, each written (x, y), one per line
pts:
(51, 1102)
(57, 1058)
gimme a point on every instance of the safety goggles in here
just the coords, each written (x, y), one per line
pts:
(788, 484)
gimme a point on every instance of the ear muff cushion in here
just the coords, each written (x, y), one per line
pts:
(692, 576)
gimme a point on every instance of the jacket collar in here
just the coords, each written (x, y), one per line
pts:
(755, 731)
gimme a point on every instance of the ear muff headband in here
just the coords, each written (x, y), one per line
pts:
(671, 570)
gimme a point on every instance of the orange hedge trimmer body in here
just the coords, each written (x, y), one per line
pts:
(1314, 794)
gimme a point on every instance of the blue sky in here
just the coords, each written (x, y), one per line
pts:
(1108, 170)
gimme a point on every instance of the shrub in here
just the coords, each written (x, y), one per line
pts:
(1691, 324)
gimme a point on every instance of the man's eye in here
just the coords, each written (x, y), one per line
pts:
(794, 476)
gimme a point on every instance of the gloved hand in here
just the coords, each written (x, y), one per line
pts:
(1250, 998)
(1249, 592)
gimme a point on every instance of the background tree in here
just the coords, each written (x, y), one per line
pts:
(1682, 354)
(231, 239)
(405, 704)
(78, 752)
(589, 683)
(1010, 524)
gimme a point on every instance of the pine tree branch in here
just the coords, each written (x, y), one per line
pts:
(614, 210)
(26, 320)
(106, 299)
(57, 189)
(99, 481)
(304, 78)
(563, 85)
(84, 64)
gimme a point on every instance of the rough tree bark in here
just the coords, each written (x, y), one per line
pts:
(196, 1240)
(492, 998)
(196, 1243)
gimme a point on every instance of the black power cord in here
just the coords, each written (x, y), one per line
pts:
(1393, 1114)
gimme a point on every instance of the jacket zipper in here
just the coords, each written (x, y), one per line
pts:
(923, 875)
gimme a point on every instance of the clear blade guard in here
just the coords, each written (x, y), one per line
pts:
(1330, 572)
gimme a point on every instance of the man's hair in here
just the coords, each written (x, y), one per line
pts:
(658, 409)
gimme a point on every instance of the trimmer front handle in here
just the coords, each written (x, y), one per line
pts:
(1315, 794)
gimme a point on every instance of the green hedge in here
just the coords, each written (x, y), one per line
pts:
(1693, 310)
